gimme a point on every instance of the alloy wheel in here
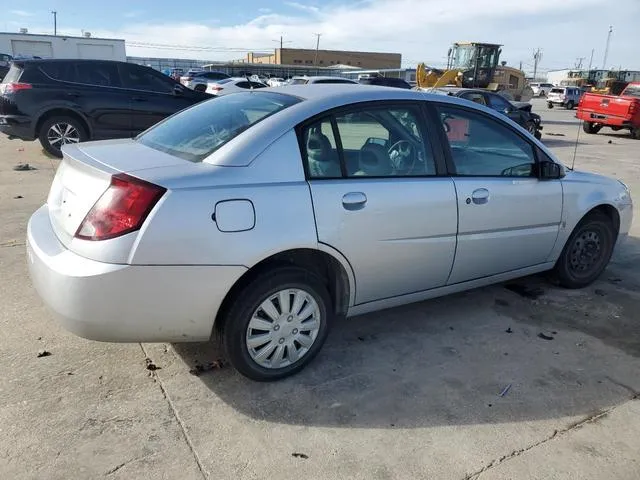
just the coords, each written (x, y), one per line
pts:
(62, 133)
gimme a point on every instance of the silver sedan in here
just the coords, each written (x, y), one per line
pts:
(265, 216)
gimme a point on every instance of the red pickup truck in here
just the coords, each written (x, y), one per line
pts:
(618, 112)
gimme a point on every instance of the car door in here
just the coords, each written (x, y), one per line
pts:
(508, 219)
(378, 200)
(92, 88)
(152, 96)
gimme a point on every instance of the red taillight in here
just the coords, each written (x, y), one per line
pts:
(121, 209)
(14, 87)
(632, 107)
(215, 88)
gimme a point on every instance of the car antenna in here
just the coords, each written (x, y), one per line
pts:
(575, 148)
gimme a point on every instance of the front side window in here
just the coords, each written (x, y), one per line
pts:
(374, 141)
(482, 146)
(142, 78)
(498, 103)
(195, 133)
(101, 74)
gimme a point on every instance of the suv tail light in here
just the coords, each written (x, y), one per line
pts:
(14, 87)
(632, 107)
(215, 88)
(121, 209)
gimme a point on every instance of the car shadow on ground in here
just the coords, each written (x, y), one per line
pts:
(552, 141)
(522, 351)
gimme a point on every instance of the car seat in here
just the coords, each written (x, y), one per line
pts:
(322, 158)
(374, 161)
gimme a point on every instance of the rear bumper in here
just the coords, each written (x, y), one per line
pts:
(124, 303)
(17, 126)
(604, 119)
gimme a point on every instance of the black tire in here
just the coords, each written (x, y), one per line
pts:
(549, 105)
(538, 134)
(573, 269)
(530, 127)
(248, 301)
(60, 121)
(591, 128)
(570, 105)
(200, 88)
(635, 133)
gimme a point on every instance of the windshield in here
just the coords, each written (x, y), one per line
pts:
(465, 57)
(197, 132)
(632, 91)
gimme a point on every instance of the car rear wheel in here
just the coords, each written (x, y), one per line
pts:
(530, 127)
(635, 133)
(570, 105)
(58, 131)
(591, 128)
(200, 88)
(549, 105)
(277, 324)
(587, 252)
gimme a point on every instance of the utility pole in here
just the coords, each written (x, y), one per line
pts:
(281, 41)
(55, 22)
(591, 59)
(520, 65)
(606, 48)
(315, 60)
(537, 56)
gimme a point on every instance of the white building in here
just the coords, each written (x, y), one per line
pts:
(50, 46)
(556, 76)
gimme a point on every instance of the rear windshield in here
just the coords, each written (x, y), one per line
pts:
(632, 91)
(299, 81)
(224, 80)
(13, 75)
(197, 132)
(557, 90)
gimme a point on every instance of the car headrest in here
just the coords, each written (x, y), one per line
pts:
(318, 147)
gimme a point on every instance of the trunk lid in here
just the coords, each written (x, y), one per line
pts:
(85, 174)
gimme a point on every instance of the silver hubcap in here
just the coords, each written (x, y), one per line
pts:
(62, 133)
(283, 328)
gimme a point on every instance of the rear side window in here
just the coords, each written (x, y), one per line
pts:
(197, 132)
(13, 75)
(557, 90)
(100, 74)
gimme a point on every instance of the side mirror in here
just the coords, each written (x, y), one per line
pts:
(550, 171)
(178, 90)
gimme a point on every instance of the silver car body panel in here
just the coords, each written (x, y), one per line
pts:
(416, 237)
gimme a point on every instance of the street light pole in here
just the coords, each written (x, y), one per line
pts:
(606, 48)
(55, 22)
(315, 60)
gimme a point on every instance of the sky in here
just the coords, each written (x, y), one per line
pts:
(421, 30)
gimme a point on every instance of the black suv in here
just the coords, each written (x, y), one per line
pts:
(70, 101)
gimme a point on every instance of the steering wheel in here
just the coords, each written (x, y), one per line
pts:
(399, 152)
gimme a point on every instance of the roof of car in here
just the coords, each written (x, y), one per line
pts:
(324, 77)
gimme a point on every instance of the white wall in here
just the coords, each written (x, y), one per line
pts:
(48, 46)
(556, 76)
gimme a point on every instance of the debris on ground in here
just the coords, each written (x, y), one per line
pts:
(610, 142)
(526, 291)
(17, 197)
(508, 330)
(614, 279)
(505, 390)
(544, 337)
(600, 292)
(502, 303)
(200, 369)
(21, 167)
(555, 134)
(43, 353)
(300, 455)
(451, 328)
(150, 365)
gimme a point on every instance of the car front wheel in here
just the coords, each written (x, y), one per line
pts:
(587, 252)
(58, 131)
(277, 324)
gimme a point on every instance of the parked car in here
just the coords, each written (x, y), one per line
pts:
(70, 101)
(318, 79)
(541, 89)
(198, 81)
(385, 82)
(233, 85)
(276, 82)
(567, 97)
(617, 112)
(178, 234)
(519, 112)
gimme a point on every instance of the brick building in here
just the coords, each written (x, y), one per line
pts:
(325, 58)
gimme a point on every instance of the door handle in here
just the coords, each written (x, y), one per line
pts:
(354, 200)
(139, 99)
(479, 196)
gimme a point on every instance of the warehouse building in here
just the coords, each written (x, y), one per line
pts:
(59, 46)
(325, 58)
